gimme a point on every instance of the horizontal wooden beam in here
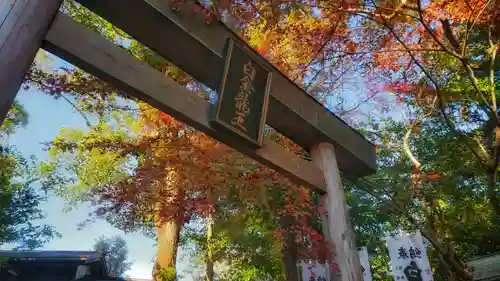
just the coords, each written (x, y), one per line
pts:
(94, 54)
(196, 47)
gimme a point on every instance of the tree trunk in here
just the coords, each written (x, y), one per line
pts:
(167, 243)
(168, 223)
(289, 250)
(456, 266)
(339, 225)
(209, 258)
(492, 190)
(23, 25)
(209, 261)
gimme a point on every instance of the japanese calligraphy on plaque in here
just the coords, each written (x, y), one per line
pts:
(243, 94)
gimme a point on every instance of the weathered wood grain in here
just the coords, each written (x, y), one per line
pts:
(23, 24)
(93, 53)
(196, 47)
(341, 234)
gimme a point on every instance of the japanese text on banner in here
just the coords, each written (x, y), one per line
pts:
(409, 258)
(365, 264)
(314, 271)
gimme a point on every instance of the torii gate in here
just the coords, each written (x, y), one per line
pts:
(198, 49)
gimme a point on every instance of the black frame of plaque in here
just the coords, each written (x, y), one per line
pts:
(231, 44)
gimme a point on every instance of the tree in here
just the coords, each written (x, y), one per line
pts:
(129, 197)
(155, 171)
(440, 58)
(19, 199)
(450, 208)
(193, 167)
(249, 239)
(432, 57)
(115, 252)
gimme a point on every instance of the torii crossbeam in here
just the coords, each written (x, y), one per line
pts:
(197, 48)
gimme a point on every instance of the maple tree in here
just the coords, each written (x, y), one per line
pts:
(259, 240)
(439, 58)
(154, 172)
(448, 71)
(177, 173)
(82, 85)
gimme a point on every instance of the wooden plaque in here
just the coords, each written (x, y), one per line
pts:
(243, 94)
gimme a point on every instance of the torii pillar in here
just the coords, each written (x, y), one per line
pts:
(23, 25)
(338, 233)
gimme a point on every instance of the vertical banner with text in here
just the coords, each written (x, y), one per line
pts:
(365, 263)
(314, 271)
(409, 258)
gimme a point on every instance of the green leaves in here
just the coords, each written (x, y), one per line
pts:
(451, 202)
(95, 158)
(20, 204)
(115, 253)
(19, 199)
(16, 118)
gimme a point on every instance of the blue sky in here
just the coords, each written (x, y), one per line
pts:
(46, 117)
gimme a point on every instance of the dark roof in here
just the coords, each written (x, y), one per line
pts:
(88, 256)
(486, 267)
(63, 263)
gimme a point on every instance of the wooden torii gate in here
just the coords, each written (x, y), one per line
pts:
(197, 48)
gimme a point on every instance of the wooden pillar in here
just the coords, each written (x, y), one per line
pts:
(23, 25)
(332, 276)
(339, 225)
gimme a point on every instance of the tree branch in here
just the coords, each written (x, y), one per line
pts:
(422, 20)
(449, 34)
(493, 51)
(458, 267)
(406, 140)
(438, 93)
(87, 121)
(493, 165)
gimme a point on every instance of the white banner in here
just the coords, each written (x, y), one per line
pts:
(409, 258)
(314, 271)
(365, 263)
